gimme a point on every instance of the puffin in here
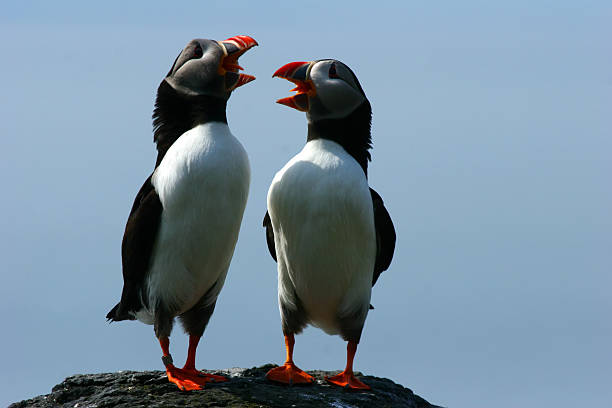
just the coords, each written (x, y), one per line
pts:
(328, 231)
(182, 229)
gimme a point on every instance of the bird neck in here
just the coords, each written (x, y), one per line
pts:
(352, 132)
(176, 113)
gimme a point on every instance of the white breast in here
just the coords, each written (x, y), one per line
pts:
(203, 183)
(321, 211)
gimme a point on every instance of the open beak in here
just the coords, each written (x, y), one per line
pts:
(298, 73)
(234, 47)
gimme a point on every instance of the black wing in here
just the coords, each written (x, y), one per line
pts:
(267, 222)
(138, 240)
(385, 236)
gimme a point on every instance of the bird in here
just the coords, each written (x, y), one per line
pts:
(183, 225)
(328, 231)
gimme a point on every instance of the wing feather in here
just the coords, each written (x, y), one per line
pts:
(136, 250)
(385, 236)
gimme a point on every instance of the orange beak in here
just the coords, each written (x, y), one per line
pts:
(297, 72)
(234, 47)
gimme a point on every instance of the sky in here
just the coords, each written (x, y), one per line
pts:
(492, 143)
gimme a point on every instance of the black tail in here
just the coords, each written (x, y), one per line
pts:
(116, 314)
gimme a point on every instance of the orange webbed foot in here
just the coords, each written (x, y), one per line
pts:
(347, 380)
(207, 378)
(288, 373)
(183, 380)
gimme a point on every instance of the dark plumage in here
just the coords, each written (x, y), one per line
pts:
(136, 248)
(353, 133)
(175, 113)
(385, 236)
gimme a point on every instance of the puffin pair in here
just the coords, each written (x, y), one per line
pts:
(329, 232)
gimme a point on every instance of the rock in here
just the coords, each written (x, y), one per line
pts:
(246, 388)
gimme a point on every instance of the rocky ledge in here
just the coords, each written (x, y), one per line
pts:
(246, 388)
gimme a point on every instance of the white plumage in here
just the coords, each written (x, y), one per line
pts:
(321, 211)
(203, 184)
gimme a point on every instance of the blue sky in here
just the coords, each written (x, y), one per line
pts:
(492, 142)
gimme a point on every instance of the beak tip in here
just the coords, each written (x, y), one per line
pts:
(243, 79)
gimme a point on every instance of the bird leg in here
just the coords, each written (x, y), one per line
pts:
(189, 366)
(176, 375)
(346, 378)
(185, 380)
(288, 373)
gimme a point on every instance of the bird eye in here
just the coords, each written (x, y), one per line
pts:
(197, 52)
(332, 71)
